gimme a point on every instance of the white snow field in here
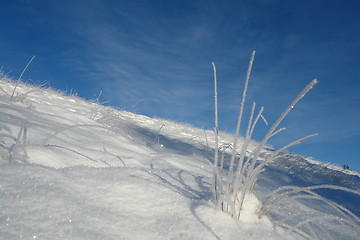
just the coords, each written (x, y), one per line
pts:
(74, 169)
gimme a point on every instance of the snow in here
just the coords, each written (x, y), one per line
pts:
(93, 172)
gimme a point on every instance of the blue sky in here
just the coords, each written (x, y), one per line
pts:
(154, 58)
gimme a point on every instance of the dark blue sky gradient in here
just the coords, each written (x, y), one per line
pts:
(154, 58)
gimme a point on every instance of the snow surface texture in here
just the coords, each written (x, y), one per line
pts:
(73, 169)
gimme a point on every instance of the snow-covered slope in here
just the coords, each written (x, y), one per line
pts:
(73, 169)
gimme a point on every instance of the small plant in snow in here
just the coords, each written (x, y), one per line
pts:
(15, 96)
(345, 167)
(98, 109)
(157, 138)
(13, 149)
(12, 98)
(308, 225)
(233, 192)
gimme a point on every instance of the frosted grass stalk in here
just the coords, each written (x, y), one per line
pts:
(253, 172)
(223, 149)
(311, 230)
(216, 176)
(240, 174)
(300, 189)
(238, 126)
(282, 116)
(276, 197)
(317, 219)
(299, 232)
(302, 216)
(242, 169)
(327, 232)
(337, 207)
(17, 82)
(207, 142)
(260, 167)
(157, 138)
(298, 141)
(264, 119)
(246, 143)
(344, 215)
(278, 131)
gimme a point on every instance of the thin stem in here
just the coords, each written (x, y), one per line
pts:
(239, 124)
(22, 73)
(216, 130)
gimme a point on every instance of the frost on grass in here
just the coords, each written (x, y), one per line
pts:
(13, 148)
(309, 224)
(233, 192)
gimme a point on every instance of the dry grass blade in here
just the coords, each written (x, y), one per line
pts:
(17, 82)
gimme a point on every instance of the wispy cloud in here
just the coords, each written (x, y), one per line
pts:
(145, 63)
(154, 57)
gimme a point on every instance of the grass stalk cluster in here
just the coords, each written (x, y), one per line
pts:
(244, 168)
(304, 224)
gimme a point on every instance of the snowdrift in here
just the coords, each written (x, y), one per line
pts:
(74, 169)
